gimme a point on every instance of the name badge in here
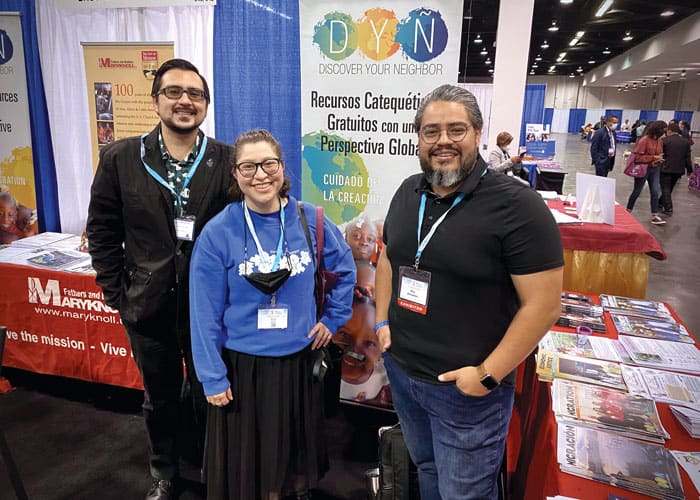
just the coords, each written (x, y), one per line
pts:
(611, 152)
(184, 228)
(414, 286)
(273, 317)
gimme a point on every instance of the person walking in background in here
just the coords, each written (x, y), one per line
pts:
(150, 198)
(466, 286)
(603, 147)
(500, 159)
(676, 151)
(649, 150)
(255, 332)
(625, 126)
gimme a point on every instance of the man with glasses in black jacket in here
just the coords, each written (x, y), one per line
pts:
(150, 198)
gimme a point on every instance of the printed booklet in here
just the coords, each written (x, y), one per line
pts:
(635, 307)
(584, 346)
(607, 409)
(593, 371)
(640, 466)
(650, 328)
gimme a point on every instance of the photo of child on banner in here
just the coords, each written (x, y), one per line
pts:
(363, 377)
(17, 221)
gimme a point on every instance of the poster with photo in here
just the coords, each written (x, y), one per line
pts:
(18, 214)
(119, 80)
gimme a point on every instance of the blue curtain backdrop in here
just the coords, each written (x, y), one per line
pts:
(548, 114)
(648, 115)
(257, 75)
(683, 115)
(42, 149)
(533, 107)
(577, 119)
(617, 113)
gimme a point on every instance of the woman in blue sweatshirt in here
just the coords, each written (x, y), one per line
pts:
(254, 331)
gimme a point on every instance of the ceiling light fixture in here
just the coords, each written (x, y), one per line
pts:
(591, 61)
(561, 57)
(606, 51)
(545, 45)
(488, 61)
(566, 1)
(668, 78)
(576, 38)
(534, 65)
(653, 80)
(628, 36)
(478, 38)
(634, 86)
(490, 70)
(532, 71)
(579, 69)
(572, 75)
(552, 68)
(644, 83)
(603, 8)
(619, 89)
(554, 26)
(682, 74)
(483, 51)
(667, 13)
(538, 58)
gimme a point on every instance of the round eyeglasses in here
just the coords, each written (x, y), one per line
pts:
(455, 133)
(174, 92)
(270, 166)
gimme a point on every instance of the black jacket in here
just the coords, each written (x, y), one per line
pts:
(676, 155)
(141, 266)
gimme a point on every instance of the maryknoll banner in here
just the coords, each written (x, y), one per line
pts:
(17, 194)
(58, 324)
(119, 79)
(365, 65)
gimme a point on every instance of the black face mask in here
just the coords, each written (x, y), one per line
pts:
(269, 283)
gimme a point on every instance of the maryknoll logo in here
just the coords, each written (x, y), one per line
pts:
(107, 62)
(51, 294)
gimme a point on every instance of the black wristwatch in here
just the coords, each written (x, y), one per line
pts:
(486, 379)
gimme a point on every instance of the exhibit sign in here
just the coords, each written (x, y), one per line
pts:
(58, 324)
(365, 66)
(17, 186)
(119, 78)
(126, 4)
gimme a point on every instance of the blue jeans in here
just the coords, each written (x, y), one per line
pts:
(652, 178)
(456, 441)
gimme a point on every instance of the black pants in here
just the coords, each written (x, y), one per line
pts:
(174, 407)
(668, 182)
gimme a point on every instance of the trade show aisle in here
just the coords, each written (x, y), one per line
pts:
(74, 440)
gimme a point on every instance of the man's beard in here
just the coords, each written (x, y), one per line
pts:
(451, 177)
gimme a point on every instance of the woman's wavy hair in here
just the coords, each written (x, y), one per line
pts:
(251, 136)
(655, 129)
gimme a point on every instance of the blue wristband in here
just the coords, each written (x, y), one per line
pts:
(379, 325)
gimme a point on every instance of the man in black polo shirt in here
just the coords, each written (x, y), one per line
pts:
(468, 282)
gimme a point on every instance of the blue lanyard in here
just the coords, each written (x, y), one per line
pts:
(421, 213)
(251, 228)
(163, 182)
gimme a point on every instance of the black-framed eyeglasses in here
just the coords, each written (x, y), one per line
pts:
(270, 166)
(455, 132)
(174, 92)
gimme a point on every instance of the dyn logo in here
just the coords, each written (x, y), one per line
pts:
(39, 294)
(6, 49)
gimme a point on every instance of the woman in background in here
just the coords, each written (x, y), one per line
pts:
(649, 150)
(500, 159)
(255, 331)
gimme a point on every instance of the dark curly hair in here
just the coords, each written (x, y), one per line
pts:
(655, 129)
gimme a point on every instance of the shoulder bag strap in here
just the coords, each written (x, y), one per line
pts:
(320, 241)
(305, 225)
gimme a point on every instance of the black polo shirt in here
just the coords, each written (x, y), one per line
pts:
(500, 228)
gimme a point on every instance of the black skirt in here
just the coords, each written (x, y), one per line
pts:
(271, 435)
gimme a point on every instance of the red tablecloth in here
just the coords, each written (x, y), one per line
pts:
(58, 324)
(626, 236)
(532, 444)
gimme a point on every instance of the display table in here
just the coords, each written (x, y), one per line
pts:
(599, 258)
(535, 472)
(623, 136)
(57, 324)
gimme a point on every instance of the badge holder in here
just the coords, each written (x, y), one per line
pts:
(184, 228)
(273, 316)
(414, 287)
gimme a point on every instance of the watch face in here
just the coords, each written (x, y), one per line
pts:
(489, 382)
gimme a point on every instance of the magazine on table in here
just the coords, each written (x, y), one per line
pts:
(607, 409)
(552, 365)
(650, 328)
(688, 418)
(690, 461)
(41, 240)
(663, 354)
(635, 307)
(55, 259)
(640, 466)
(13, 254)
(664, 386)
(573, 320)
(571, 305)
(584, 346)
